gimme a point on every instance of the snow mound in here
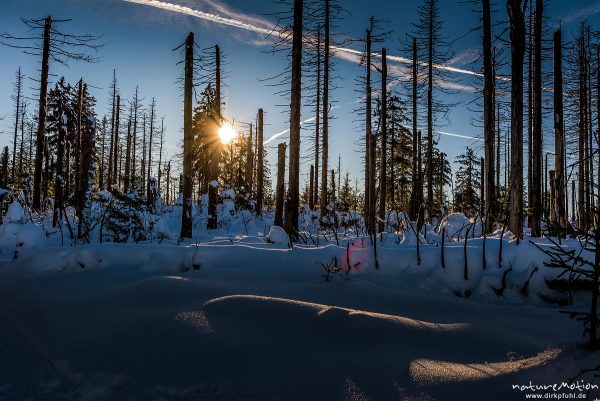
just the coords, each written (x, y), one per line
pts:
(277, 235)
(14, 214)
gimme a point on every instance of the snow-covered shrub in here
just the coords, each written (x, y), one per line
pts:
(277, 235)
(123, 217)
(14, 214)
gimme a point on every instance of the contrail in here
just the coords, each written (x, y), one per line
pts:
(236, 23)
(285, 131)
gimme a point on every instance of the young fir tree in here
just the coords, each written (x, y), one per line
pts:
(468, 176)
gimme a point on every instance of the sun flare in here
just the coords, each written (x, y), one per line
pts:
(226, 133)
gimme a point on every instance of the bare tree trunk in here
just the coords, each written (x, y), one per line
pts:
(127, 178)
(19, 87)
(85, 175)
(293, 199)
(311, 188)
(315, 194)
(383, 166)
(249, 161)
(134, 139)
(149, 166)
(160, 151)
(393, 166)
(536, 205)
(517, 38)
(41, 130)
(370, 142)
(59, 179)
(582, 222)
(143, 163)
(260, 173)
(110, 176)
(416, 199)
(280, 184)
(115, 157)
(489, 211)
(188, 138)
(430, 112)
(325, 150)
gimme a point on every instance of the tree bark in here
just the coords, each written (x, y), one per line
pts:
(280, 184)
(489, 212)
(19, 86)
(188, 138)
(383, 166)
(415, 198)
(517, 38)
(41, 130)
(260, 168)
(536, 205)
(293, 198)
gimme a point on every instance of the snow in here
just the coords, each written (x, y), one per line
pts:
(277, 235)
(233, 314)
(14, 214)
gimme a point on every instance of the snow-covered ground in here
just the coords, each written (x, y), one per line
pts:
(237, 315)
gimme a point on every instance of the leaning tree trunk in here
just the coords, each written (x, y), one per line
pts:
(517, 39)
(41, 130)
(293, 198)
(188, 138)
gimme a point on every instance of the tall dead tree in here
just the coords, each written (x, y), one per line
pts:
(417, 190)
(370, 194)
(280, 185)
(17, 98)
(127, 176)
(260, 168)
(60, 158)
(149, 160)
(115, 157)
(315, 183)
(559, 135)
(249, 161)
(42, 108)
(293, 197)
(517, 40)
(77, 151)
(383, 133)
(536, 204)
(489, 212)
(326, 78)
(112, 143)
(188, 138)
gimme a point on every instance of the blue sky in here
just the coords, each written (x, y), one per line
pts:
(140, 40)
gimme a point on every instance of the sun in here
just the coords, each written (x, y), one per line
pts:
(226, 133)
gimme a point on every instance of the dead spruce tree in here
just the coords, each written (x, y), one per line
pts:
(517, 40)
(186, 213)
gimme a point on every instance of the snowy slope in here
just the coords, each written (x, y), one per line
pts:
(231, 316)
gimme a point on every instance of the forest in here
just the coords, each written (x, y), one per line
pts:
(513, 220)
